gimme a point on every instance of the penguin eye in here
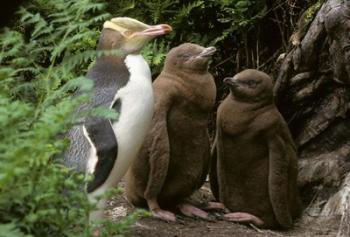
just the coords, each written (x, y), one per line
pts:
(127, 33)
(251, 83)
(186, 56)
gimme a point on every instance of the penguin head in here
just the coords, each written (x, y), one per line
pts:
(251, 86)
(190, 57)
(129, 35)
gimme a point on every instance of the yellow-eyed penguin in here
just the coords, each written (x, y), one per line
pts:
(103, 147)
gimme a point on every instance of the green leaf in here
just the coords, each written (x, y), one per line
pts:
(242, 5)
(10, 230)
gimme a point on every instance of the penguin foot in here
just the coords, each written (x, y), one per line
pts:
(243, 217)
(192, 211)
(164, 215)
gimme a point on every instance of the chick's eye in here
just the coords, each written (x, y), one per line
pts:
(251, 83)
(186, 55)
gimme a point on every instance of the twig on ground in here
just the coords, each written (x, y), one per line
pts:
(264, 231)
(256, 228)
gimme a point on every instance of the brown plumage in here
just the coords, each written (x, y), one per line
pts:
(254, 166)
(174, 159)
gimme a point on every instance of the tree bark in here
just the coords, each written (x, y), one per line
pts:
(313, 93)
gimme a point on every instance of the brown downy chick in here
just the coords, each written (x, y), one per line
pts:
(254, 163)
(174, 159)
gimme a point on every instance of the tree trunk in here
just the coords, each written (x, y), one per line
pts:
(313, 94)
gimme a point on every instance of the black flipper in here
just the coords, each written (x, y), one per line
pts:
(101, 133)
(108, 78)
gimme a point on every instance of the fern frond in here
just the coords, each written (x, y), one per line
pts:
(185, 11)
(61, 20)
(66, 43)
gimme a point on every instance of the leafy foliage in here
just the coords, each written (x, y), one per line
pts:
(312, 10)
(210, 22)
(42, 62)
(246, 33)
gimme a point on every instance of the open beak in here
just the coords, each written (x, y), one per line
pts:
(157, 30)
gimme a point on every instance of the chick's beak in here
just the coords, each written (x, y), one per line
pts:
(230, 81)
(157, 30)
(208, 52)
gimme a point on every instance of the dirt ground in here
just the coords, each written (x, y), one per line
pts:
(307, 226)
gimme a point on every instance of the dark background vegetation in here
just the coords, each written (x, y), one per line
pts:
(46, 48)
